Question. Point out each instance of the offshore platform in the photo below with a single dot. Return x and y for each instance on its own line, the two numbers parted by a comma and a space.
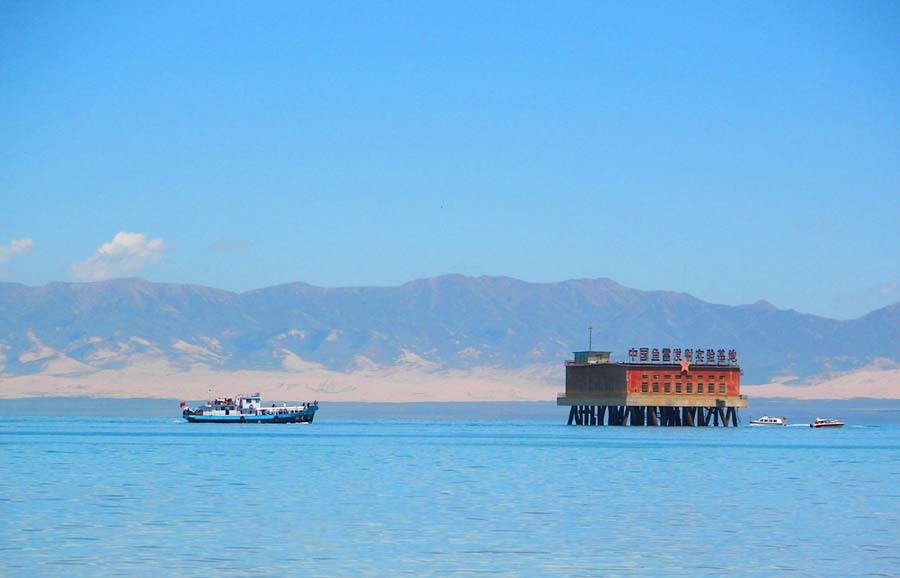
657, 387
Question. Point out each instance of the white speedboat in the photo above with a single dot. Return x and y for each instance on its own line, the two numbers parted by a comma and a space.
826, 423
769, 420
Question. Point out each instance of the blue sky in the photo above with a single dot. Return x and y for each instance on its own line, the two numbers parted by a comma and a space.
735, 151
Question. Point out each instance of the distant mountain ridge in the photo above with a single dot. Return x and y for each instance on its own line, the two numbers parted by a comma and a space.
446, 322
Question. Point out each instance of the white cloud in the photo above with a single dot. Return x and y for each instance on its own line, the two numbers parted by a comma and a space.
15, 247
124, 255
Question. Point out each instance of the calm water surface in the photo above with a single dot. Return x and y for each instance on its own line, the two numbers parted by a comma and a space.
152, 497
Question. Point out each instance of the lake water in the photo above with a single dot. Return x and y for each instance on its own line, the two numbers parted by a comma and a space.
160, 497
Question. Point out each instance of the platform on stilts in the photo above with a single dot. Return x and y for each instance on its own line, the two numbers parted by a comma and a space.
666, 390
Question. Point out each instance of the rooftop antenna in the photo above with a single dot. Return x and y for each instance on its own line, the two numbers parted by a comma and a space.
590, 337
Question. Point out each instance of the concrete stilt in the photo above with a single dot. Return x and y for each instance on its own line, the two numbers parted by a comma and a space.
660, 416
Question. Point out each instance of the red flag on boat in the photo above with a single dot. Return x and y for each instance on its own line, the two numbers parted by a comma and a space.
182, 404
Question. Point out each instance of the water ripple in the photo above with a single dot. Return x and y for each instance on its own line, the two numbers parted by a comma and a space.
151, 497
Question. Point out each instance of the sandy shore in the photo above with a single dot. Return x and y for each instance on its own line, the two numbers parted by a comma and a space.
401, 383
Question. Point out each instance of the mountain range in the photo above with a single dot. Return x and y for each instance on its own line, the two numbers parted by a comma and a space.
447, 323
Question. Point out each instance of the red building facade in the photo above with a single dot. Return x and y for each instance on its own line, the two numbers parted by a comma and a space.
709, 380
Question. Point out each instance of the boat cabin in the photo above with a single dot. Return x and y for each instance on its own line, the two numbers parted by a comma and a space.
243, 404
249, 403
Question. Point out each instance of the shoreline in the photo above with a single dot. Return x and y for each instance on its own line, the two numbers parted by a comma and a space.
857, 411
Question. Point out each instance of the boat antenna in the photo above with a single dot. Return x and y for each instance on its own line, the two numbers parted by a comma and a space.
590, 337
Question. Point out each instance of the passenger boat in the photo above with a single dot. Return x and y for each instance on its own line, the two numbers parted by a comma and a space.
826, 423
248, 409
769, 420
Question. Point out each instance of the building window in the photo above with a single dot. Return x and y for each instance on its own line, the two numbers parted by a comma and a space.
721, 378
722, 388
667, 388
644, 387
677, 387
668, 377
710, 388
699, 387
644, 376
655, 387
690, 388
655, 377
712, 377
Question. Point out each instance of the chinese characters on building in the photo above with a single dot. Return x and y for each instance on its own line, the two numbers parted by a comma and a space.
696, 356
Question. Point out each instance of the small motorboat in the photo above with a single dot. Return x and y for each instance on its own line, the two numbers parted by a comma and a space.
769, 420
826, 423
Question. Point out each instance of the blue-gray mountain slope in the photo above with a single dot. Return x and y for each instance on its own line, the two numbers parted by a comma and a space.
451, 321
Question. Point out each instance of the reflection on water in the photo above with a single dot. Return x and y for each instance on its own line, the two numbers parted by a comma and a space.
151, 497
